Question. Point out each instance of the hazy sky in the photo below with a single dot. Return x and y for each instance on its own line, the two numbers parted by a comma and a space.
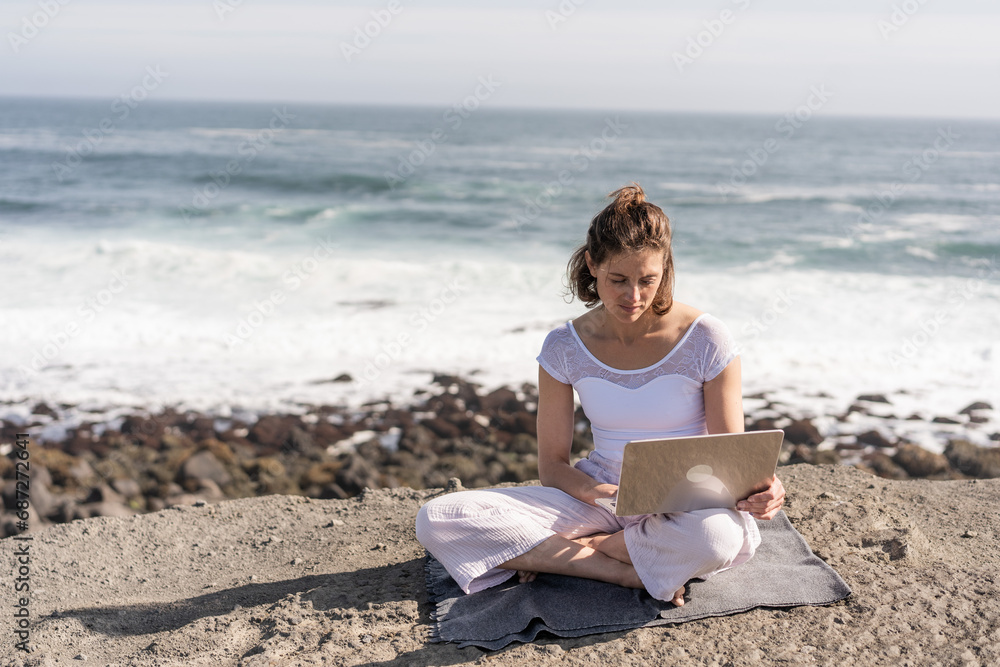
874, 57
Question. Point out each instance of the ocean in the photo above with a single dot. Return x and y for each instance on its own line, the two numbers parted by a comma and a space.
239, 257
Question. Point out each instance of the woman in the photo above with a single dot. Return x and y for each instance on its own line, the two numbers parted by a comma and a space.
644, 366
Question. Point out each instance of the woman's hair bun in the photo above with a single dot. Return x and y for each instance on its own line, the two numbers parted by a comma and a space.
628, 197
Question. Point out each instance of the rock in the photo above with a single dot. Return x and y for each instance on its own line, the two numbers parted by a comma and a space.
102, 493
325, 434
975, 461
523, 443
105, 508
442, 428
356, 474
343, 377
855, 407
523, 422
945, 420
802, 432
204, 465
44, 409
582, 442
268, 475
762, 424
321, 474
468, 470
129, 488
883, 466
300, 440
500, 399
874, 438
273, 431
873, 398
147, 431
918, 462
978, 405
804, 454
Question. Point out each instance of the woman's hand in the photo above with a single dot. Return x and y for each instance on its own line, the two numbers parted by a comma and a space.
603, 491
765, 505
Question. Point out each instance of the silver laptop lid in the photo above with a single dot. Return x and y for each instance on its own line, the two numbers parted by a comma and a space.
697, 472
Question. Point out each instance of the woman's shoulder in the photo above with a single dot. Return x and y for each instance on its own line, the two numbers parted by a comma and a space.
707, 327
686, 314
558, 336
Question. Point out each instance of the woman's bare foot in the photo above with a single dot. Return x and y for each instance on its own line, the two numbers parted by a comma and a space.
524, 576
678, 598
559, 555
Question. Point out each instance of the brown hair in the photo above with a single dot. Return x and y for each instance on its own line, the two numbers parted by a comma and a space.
627, 224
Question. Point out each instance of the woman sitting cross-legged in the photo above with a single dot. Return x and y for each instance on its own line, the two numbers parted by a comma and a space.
644, 366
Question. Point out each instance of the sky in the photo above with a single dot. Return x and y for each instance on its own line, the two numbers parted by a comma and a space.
873, 57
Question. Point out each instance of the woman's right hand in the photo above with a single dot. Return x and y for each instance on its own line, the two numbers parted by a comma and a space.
603, 491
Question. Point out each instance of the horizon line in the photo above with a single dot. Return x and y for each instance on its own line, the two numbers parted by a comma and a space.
496, 107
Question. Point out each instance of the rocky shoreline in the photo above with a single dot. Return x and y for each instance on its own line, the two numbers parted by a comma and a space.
452, 430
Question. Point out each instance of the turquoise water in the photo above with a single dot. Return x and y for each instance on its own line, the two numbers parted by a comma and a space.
265, 248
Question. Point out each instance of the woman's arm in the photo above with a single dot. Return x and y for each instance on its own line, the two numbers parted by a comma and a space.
724, 414
555, 443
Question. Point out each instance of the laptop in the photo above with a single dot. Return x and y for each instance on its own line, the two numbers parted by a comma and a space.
695, 472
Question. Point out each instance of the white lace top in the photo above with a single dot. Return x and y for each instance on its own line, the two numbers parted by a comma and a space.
659, 401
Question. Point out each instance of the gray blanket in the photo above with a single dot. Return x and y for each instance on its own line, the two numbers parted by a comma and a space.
783, 573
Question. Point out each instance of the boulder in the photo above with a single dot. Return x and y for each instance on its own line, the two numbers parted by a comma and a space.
882, 465
918, 462
875, 439
802, 432
273, 431
442, 428
502, 399
129, 488
204, 465
873, 398
356, 474
975, 461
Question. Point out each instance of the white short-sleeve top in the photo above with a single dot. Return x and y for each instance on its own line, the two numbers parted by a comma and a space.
659, 401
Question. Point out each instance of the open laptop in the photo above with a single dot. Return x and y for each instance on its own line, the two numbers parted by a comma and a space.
696, 472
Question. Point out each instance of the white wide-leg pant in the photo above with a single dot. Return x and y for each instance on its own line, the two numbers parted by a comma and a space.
472, 532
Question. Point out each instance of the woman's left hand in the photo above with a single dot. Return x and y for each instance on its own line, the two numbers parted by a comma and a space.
765, 505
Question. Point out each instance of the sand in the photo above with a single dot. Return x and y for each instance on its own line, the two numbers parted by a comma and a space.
288, 580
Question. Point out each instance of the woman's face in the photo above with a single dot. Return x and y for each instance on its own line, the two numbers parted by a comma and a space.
627, 282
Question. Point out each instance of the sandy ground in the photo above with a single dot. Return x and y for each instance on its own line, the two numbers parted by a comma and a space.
283, 580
